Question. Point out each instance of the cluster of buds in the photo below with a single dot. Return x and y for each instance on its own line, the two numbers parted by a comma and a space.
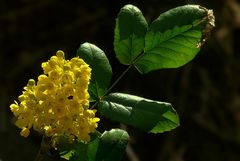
58, 103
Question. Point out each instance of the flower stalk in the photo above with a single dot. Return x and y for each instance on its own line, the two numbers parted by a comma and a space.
45, 146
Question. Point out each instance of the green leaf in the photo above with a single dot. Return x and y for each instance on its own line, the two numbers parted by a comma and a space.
79, 151
130, 31
175, 37
112, 145
109, 146
149, 115
101, 69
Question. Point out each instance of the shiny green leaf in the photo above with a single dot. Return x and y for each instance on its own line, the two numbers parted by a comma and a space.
148, 115
101, 69
112, 145
130, 30
175, 38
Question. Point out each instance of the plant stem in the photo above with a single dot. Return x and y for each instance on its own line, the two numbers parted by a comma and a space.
45, 146
110, 88
128, 68
119, 78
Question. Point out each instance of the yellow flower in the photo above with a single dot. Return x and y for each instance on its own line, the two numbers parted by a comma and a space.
25, 132
57, 104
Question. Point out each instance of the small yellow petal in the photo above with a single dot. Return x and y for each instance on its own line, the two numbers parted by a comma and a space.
15, 109
21, 98
25, 132
60, 54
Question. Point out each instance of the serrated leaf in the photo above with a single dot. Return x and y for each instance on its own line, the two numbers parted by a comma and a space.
101, 69
130, 30
112, 145
148, 115
175, 37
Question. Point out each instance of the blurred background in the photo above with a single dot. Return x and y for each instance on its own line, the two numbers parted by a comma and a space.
205, 92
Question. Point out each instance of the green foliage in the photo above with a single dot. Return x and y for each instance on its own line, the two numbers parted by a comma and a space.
112, 145
103, 147
79, 151
172, 40
101, 69
151, 116
130, 31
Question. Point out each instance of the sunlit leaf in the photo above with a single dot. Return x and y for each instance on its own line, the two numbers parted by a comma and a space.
175, 37
130, 30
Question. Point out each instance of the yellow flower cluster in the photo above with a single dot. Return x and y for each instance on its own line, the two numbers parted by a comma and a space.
58, 103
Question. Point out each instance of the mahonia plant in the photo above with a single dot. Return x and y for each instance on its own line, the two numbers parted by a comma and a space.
57, 105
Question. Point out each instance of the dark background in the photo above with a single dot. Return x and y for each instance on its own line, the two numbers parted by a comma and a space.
205, 92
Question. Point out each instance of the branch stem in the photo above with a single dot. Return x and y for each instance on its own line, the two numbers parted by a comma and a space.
119, 78
45, 146
123, 74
